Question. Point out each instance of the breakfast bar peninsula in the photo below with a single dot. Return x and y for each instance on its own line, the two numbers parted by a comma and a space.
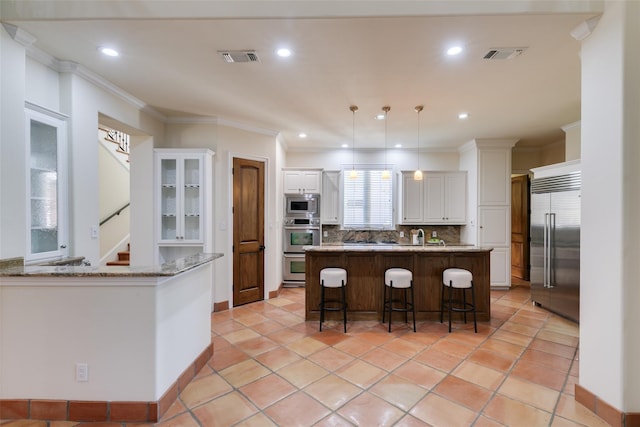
367, 263
85, 343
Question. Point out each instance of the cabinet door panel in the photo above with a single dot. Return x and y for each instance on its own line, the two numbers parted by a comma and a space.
331, 200
455, 208
412, 200
435, 195
495, 225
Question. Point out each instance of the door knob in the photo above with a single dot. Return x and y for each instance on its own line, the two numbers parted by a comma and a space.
261, 247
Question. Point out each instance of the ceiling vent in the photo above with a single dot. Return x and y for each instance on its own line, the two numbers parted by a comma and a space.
239, 55
504, 53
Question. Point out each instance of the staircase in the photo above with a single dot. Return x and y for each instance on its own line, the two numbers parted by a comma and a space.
123, 257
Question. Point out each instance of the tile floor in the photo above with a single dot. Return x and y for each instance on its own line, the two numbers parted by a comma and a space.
271, 368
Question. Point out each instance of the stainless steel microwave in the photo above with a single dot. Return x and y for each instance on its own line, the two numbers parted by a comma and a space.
302, 205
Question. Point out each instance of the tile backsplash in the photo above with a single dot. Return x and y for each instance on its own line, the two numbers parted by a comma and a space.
448, 233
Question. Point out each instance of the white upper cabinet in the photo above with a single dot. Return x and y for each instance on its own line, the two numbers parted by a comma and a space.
330, 201
183, 184
412, 204
494, 166
302, 181
47, 185
440, 198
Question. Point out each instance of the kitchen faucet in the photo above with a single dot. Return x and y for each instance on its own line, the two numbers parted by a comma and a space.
421, 235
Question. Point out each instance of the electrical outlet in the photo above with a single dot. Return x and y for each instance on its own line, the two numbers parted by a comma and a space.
325, 234
82, 372
402, 234
94, 231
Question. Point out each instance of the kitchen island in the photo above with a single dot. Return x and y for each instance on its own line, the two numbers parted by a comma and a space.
366, 264
87, 343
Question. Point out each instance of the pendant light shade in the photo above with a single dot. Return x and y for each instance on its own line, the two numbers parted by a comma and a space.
385, 173
418, 173
353, 174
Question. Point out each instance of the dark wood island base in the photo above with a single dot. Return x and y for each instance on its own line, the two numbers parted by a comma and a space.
366, 264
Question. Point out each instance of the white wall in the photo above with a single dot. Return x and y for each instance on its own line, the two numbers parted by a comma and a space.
228, 142
610, 272
398, 158
573, 135
13, 151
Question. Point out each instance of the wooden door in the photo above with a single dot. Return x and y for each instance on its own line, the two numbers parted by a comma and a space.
248, 231
520, 227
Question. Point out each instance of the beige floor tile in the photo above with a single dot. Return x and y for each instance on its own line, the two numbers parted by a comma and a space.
286, 336
306, 346
548, 334
571, 410
438, 411
519, 328
244, 373
439, 360
467, 394
479, 375
361, 373
250, 319
182, 420
332, 391
515, 413
297, 410
203, 390
398, 391
225, 411
267, 327
411, 421
422, 375
503, 347
403, 347
240, 335
331, 359
277, 358
530, 393
256, 346
453, 347
483, 421
369, 410
258, 420
302, 373
513, 338
333, 420
268, 390
354, 346
493, 360
384, 359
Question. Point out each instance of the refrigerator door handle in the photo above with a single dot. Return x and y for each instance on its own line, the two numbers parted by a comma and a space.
545, 245
550, 263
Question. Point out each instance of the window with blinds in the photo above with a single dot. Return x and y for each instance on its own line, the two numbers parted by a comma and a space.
367, 200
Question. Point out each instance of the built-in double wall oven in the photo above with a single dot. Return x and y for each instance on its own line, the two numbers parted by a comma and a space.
301, 228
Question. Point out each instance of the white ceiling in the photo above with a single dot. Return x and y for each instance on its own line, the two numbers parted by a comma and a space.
368, 53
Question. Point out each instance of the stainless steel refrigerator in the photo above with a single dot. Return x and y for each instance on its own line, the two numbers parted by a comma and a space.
555, 244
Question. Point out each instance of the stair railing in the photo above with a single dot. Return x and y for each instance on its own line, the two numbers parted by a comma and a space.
116, 213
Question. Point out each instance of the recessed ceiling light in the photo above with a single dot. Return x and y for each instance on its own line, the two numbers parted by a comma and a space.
345, 145
454, 50
379, 117
302, 135
398, 145
109, 51
284, 52
463, 116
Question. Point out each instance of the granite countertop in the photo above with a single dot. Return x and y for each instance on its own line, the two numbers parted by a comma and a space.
381, 247
169, 269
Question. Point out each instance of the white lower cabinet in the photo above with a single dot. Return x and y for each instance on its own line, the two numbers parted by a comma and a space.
495, 231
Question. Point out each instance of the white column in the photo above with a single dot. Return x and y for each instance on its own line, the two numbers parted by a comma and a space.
610, 271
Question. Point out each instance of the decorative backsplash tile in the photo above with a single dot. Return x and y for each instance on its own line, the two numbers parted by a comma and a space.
448, 233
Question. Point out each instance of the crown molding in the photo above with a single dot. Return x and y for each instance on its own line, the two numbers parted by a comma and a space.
19, 35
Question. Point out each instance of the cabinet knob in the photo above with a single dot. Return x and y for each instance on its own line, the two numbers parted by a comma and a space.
63, 246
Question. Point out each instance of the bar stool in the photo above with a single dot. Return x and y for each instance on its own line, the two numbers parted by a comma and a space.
398, 278
458, 278
333, 278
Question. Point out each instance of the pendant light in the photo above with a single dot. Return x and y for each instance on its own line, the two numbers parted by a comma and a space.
385, 173
417, 176
353, 174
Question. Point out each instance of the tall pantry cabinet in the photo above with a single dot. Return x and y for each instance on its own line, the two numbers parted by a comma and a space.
490, 203
184, 202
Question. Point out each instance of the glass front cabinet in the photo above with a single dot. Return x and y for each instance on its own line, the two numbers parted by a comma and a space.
184, 201
46, 135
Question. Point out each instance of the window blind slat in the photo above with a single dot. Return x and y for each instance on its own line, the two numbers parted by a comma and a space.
368, 200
